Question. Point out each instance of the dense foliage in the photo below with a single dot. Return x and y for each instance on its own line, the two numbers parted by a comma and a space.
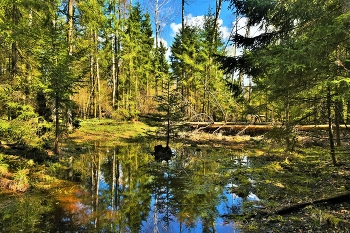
299, 61
61, 60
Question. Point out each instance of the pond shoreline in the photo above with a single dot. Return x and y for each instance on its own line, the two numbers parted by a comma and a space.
287, 178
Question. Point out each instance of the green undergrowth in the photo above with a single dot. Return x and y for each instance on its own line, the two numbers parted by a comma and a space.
109, 131
19, 175
290, 178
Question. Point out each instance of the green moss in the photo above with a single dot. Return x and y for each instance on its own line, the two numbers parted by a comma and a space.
110, 131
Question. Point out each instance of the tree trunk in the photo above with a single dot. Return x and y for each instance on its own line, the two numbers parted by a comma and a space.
113, 180
57, 125
14, 60
241, 74
14, 47
113, 71
90, 106
156, 14
338, 120
98, 90
70, 26
182, 15
168, 116
70, 14
289, 134
330, 128
217, 16
95, 40
347, 112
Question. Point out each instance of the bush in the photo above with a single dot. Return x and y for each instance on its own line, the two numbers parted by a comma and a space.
124, 115
283, 135
3, 166
27, 132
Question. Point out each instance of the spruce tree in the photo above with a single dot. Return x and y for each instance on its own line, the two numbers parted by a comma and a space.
297, 56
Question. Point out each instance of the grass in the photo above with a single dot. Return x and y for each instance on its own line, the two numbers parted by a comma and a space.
109, 131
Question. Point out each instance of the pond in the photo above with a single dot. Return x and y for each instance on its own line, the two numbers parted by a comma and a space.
122, 189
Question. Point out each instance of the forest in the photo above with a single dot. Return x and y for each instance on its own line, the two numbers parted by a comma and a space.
66, 62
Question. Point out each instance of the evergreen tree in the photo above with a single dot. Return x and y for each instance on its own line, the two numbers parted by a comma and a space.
21, 25
170, 101
294, 59
199, 79
137, 58
56, 64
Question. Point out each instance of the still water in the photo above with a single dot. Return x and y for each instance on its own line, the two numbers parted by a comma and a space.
122, 189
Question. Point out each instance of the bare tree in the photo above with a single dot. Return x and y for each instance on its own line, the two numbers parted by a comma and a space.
162, 11
217, 16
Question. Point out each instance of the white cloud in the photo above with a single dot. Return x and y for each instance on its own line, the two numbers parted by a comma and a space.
190, 20
175, 28
225, 31
242, 28
165, 44
198, 21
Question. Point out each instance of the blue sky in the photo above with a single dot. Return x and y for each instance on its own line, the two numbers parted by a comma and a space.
195, 10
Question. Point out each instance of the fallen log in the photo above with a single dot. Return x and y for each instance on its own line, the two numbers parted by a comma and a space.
230, 126
344, 197
333, 200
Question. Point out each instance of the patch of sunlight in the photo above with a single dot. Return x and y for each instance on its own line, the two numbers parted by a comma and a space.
280, 185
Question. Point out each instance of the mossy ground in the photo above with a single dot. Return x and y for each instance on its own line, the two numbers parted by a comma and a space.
109, 131
289, 178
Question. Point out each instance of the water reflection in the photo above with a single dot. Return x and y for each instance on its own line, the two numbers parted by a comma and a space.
122, 189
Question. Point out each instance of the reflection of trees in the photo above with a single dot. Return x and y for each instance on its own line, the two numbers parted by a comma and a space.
120, 197
202, 192
95, 184
134, 194
26, 214
119, 185
187, 191
162, 212
184, 191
